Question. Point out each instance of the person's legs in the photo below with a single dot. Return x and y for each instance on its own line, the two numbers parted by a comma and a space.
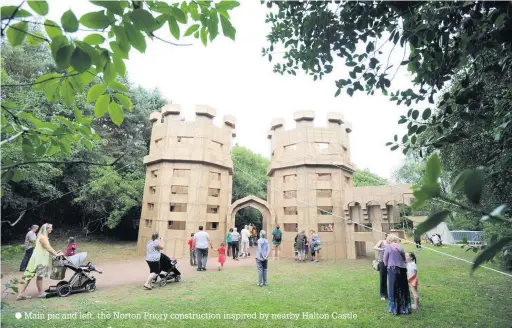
192, 258
416, 297
205, 258
264, 266
26, 258
235, 250
383, 281
199, 259
39, 285
229, 249
259, 265
21, 292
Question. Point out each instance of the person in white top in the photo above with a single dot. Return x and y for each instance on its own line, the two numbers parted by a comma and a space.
412, 277
245, 242
436, 240
200, 244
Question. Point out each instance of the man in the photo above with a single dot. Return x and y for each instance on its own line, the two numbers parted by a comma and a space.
30, 243
245, 241
235, 240
277, 236
200, 244
417, 238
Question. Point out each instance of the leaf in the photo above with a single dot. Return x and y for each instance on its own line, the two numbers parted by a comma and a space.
460, 180
95, 92
95, 20
116, 113
16, 33
191, 29
433, 170
227, 5
125, 101
498, 210
192, 9
213, 25
173, 26
117, 86
39, 6
204, 35
92, 52
500, 20
80, 60
178, 14
143, 20
137, 40
389, 143
94, 39
64, 145
395, 147
402, 120
473, 186
120, 65
432, 221
8, 11
63, 56
426, 114
35, 39
227, 29
109, 72
16, 177
101, 106
52, 29
337, 92
113, 6
52, 92
69, 21
67, 93
490, 251
415, 114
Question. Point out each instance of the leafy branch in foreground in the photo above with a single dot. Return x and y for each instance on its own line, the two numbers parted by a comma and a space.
94, 64
471, 183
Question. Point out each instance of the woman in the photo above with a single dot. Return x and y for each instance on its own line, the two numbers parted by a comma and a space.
153, 253
300, 242
380, 247
316, 245
30, 243
229, 241
39, 263
398, 286
262, 258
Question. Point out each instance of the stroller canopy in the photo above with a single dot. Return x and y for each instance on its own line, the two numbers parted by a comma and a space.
77, 259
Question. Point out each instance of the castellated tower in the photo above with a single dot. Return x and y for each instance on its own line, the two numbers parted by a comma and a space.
309, 174
189, 176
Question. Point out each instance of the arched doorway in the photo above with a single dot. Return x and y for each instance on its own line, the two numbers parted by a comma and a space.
269, 217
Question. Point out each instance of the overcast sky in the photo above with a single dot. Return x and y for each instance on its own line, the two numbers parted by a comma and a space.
234, 78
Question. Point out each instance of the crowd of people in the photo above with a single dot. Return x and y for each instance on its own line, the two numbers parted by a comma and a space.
397, 271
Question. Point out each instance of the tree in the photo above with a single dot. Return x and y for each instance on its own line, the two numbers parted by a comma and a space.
92, 63
88, 192
250, 172
365, 177
443, 43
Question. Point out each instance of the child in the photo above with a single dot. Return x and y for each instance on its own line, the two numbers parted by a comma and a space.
412, 276
192, 250
71, 247
222, 256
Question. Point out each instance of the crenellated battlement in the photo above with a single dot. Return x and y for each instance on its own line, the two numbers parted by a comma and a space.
307, 144
200, 140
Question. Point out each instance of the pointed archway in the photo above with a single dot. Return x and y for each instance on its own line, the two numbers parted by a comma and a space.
269, 217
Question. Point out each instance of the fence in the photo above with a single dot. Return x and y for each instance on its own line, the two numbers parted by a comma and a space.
473, 237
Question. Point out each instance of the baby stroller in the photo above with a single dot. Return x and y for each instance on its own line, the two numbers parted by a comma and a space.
169, 270
82, 279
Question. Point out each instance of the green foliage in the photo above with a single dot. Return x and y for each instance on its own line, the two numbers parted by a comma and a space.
365, 177
250, 172
88, 62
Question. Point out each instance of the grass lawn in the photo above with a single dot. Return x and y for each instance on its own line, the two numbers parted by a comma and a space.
103, 252
448, 295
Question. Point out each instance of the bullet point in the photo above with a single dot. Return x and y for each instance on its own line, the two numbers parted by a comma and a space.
18, 315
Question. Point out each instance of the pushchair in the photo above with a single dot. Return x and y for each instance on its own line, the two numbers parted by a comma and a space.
82, 279
168, 270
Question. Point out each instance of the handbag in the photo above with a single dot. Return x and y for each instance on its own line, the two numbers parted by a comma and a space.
375, 265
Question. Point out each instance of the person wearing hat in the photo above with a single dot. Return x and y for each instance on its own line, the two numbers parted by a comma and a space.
30, 242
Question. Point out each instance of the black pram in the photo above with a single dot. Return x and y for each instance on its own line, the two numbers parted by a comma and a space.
168, 270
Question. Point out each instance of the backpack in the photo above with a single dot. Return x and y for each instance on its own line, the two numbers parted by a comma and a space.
277, 235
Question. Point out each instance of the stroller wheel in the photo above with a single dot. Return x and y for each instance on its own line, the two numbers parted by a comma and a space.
177, 278
163, 282
64, 290
90, 287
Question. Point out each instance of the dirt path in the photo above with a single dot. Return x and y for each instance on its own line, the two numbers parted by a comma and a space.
134, 272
